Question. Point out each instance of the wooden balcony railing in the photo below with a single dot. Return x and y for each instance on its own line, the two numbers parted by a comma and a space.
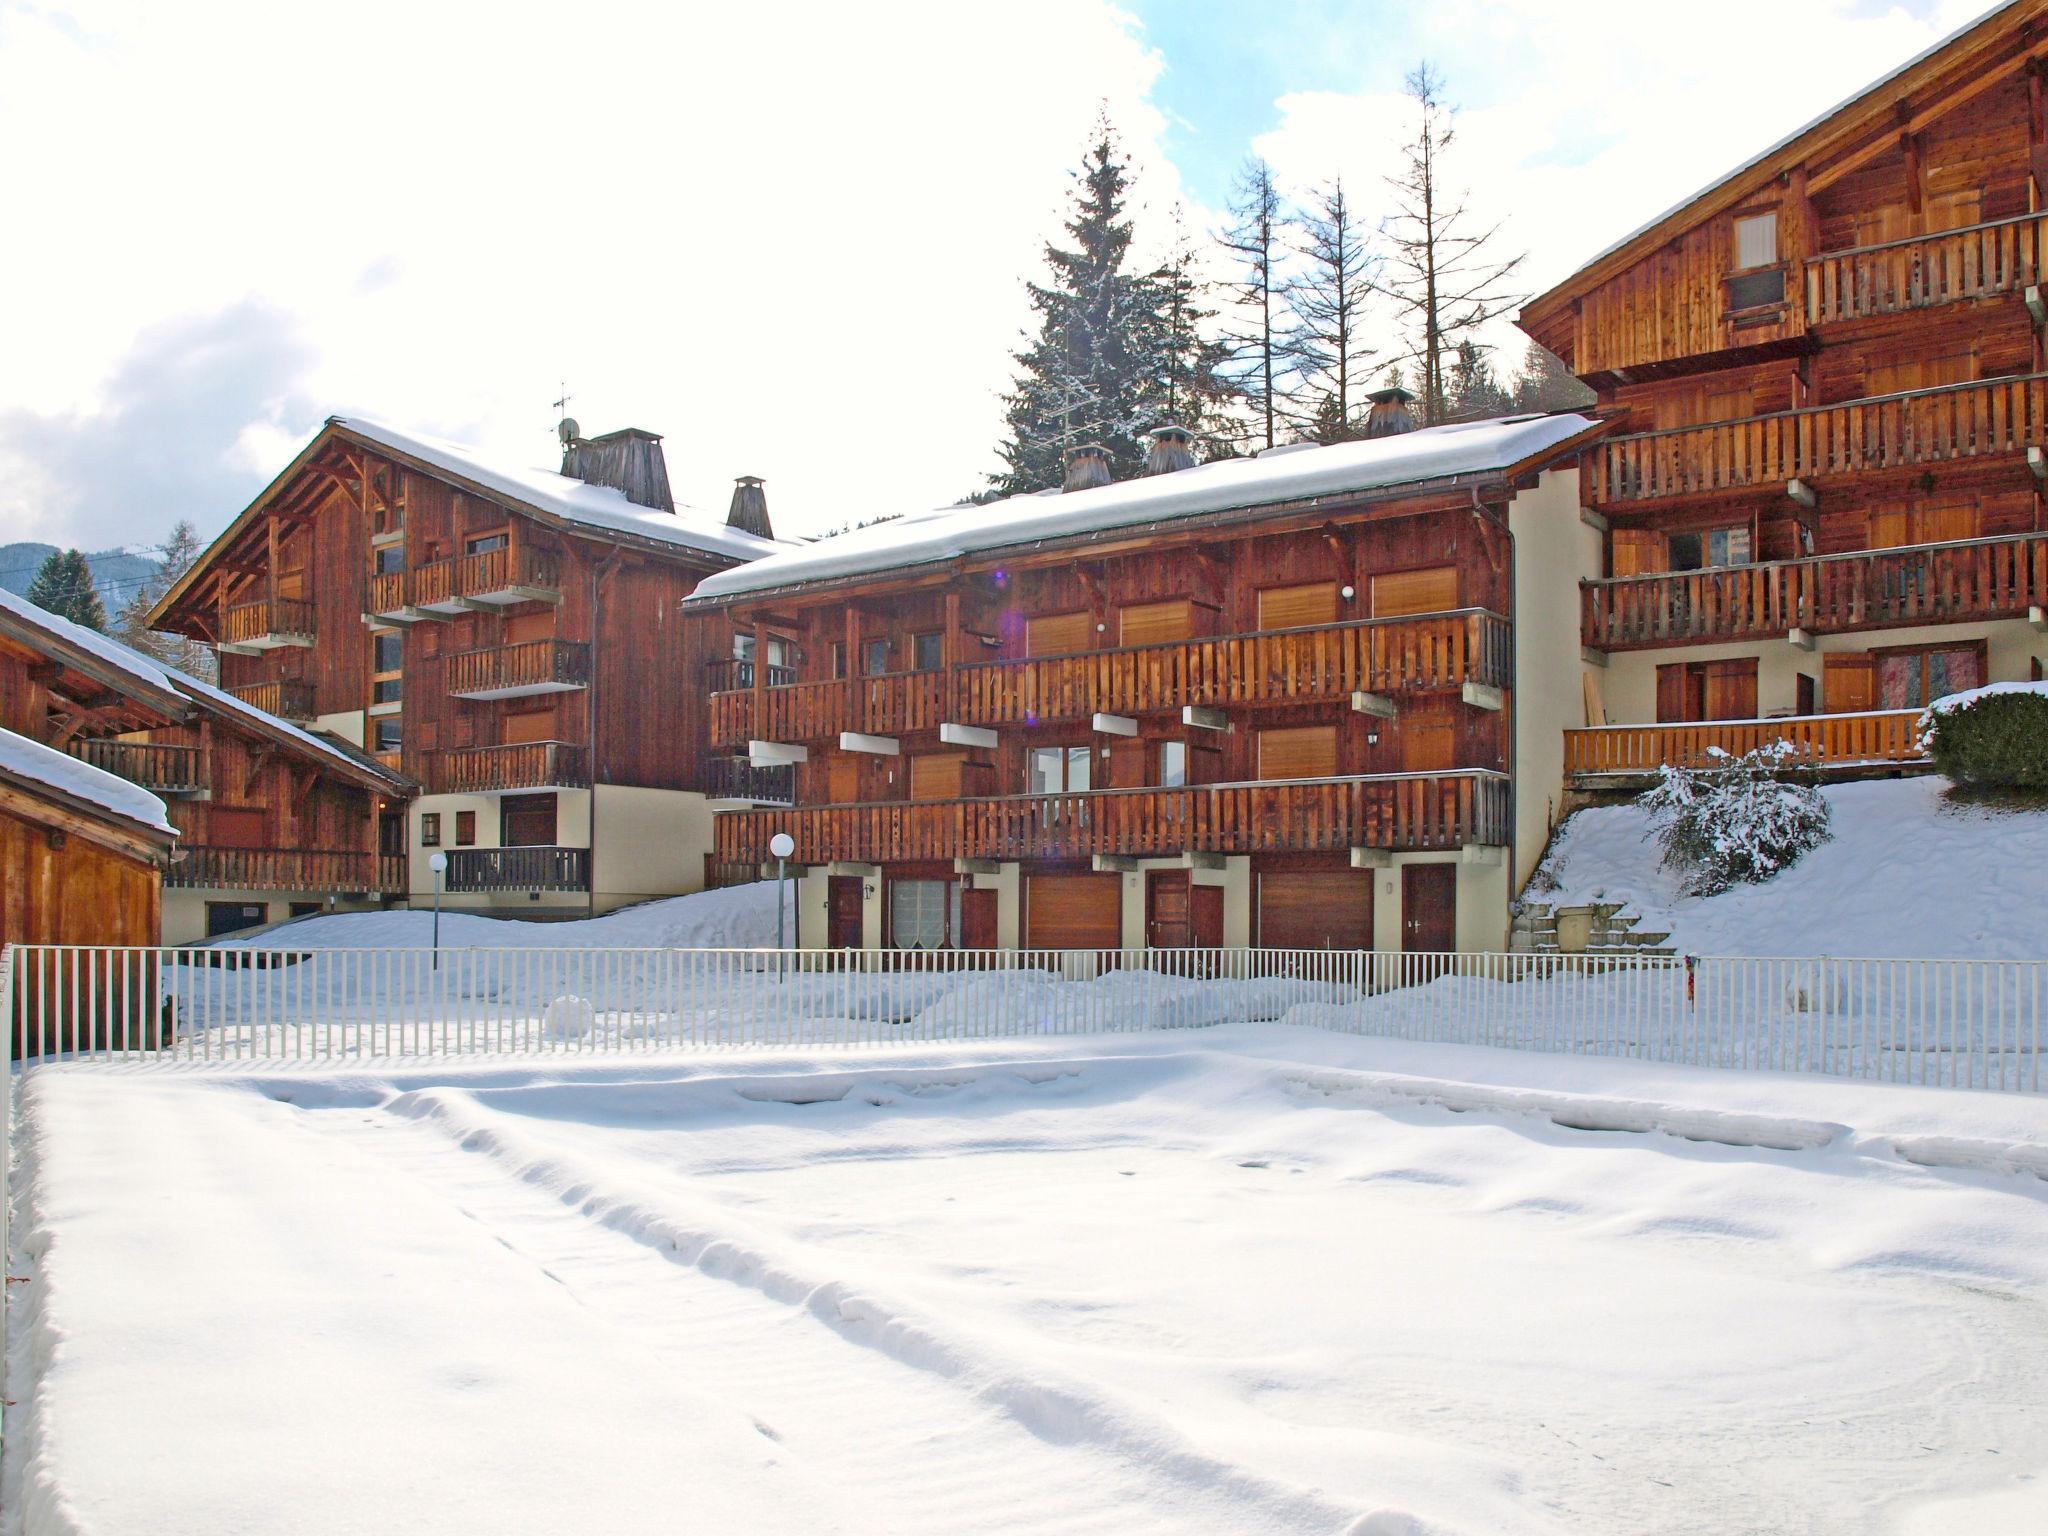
519, 765
273, 620
286, 698
507, 575
518, 869
1283, 666
729, 673
1921, 426
387, 592
1820, 742
1981, 261
165, 769
313, 870
1969, 580
511, 671
735, 778
1402, 811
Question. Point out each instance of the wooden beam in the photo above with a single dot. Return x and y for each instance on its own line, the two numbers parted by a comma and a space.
259, 759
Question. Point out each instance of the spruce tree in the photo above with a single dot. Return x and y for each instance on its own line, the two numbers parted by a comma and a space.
1546, 384
1259, 353
63, 585
1471, 392
131, 626
1197, 396
1444, 276
1328, 300
1093, 372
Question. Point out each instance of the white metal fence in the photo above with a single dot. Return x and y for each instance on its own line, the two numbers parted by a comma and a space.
1956, 1023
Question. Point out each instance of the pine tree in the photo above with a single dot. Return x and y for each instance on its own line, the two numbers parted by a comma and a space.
1260, 354
1471, 391
1445, 281
1328, 301
131, 623
63, 585
1093, 372
1546, 384
1197, 394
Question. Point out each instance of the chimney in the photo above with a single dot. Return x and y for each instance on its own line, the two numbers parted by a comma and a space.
1172, 448
1087, 467
749, 511
628, 460
1389, 415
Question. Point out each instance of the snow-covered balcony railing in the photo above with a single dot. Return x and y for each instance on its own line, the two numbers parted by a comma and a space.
345, 871
1970, 579
269, 624
1395, 811
518, 869
519, 670
1415, 653
1984, 419
1612, 753
287, 698
2002, 256
513, 766
1954, 1023
163, 768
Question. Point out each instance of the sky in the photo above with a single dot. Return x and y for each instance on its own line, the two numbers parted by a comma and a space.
792, 238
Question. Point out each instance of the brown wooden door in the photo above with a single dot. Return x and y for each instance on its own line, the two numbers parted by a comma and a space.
1169, 914
977, 919
1205, 915
1730, 689
1429, 908
1073, 912
1316, 909
1848, 682
843, 917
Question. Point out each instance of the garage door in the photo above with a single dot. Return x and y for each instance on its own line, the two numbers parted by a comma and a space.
1320, 910
1073, 912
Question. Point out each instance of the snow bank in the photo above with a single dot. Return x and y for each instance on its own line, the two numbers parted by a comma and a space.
1907, 873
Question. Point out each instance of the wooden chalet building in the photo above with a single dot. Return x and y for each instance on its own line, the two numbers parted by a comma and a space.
1822, 501
1269, 701
508, 644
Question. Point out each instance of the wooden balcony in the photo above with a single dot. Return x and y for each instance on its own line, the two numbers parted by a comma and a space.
344, 872
285, 698
268, 625
1967, 581
518, 869
163, 769
517, 671
520, 765
1980, 262
387, 599
1611, 755
736, 778
1396, 811
1987, 419
497, 578
1286, 666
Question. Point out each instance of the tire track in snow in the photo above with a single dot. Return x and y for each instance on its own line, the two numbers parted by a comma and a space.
906, 1414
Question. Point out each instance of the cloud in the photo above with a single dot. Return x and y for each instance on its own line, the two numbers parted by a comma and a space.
165, 439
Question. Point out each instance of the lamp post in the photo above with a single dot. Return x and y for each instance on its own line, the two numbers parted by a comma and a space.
782, 845
438, 863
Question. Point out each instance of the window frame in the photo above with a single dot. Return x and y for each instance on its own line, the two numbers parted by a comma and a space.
465, 829
430, 829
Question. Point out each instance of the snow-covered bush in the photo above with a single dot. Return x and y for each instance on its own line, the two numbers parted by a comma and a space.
1738, 822
1995, 737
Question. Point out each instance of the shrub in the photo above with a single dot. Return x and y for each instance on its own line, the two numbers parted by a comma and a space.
1992, 738
1738, 822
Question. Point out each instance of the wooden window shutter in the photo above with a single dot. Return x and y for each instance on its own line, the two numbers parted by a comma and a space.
1155, 623
1054, 634
1671, 701
1943, 522
936, 775
1429, 743
1848, 682
1889, 527
1433, 590
1731, 689
1298, 752
1637, 552
534, 725
1298, 607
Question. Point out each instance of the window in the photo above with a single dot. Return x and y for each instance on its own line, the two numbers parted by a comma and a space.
388, 559
1173, 765
874, 658
928, 651
233, 916
780, 656
385, 690
1913, 679
839, 658
485, 543
387, 651
1708, 546
1758, 281
430, 829
388, 737
1057, 770
465, 829
526, 821
924, 914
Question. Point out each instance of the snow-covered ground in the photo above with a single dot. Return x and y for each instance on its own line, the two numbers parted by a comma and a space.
1251, 1279
1908, 872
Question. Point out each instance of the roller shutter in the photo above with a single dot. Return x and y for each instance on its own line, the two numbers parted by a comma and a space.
1298, 752
1073, 912
1298, 607
1325, 909
1054, 634
1155, 623
1434, 590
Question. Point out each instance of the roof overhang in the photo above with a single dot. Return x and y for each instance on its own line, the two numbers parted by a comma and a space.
32, 798
76, 658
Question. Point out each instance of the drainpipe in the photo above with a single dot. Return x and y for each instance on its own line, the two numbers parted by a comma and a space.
1514, 694
598, 573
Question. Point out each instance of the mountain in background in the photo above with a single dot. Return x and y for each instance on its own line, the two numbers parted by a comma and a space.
117, 574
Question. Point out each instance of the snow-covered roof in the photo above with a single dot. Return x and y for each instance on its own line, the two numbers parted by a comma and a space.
594, 506
1296, 474
21, 758
145, 672
328, 749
